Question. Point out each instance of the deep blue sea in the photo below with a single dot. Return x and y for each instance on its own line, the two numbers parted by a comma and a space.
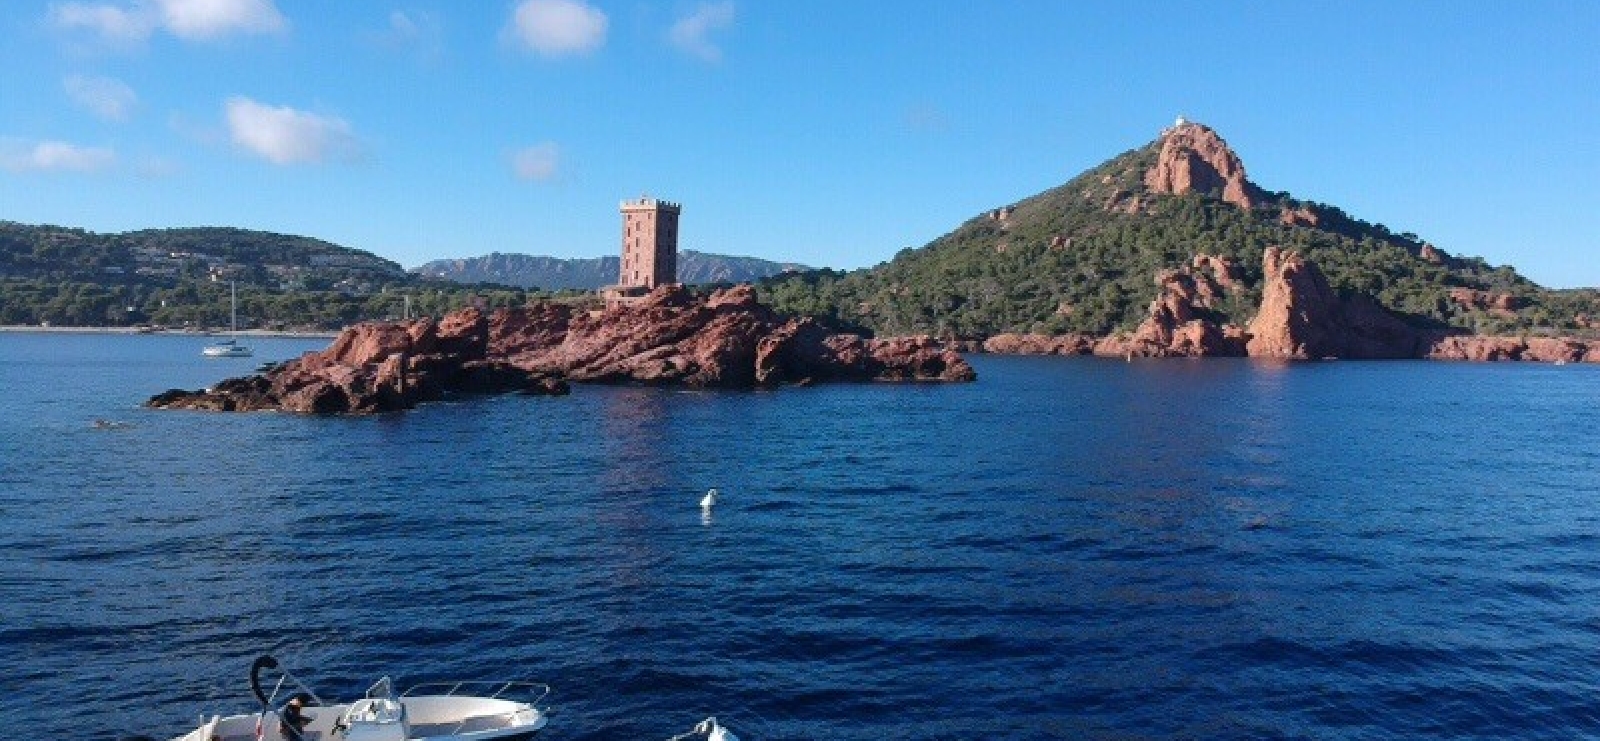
1066, 549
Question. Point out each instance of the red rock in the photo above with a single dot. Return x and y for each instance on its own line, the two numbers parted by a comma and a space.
1490, 348
670, 336
1500, 304
1468, 347
1179, 322
1555, 350
1302, 318
1303, 216
1221, 269
1194, 158
1039, 344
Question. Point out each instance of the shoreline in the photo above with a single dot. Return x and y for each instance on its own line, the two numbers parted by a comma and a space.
36, 329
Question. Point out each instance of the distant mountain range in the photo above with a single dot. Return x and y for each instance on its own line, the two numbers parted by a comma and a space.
554, 273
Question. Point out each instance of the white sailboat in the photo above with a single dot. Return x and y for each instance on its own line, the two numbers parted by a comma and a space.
229, 348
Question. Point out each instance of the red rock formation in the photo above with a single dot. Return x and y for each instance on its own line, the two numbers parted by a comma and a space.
1430, 253
1179, 322
669, 337
1301, 317
1194, 158
1221, 269
1537, 349
1499, 304
1303, 216
1039, 344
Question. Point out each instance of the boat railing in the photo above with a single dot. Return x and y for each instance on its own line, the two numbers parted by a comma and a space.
517, 691
526, 695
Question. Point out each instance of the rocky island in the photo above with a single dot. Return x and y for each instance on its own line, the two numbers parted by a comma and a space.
726, 339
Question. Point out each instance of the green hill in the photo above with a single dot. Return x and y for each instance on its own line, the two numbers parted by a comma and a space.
1083, 257
180, 277
554, 273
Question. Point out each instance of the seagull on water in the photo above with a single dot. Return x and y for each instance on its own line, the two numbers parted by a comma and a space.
709, 499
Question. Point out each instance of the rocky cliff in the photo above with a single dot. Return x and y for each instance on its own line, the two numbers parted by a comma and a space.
1194, 158
726, 339
1299, 318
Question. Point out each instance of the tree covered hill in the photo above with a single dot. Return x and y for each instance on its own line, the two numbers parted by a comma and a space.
1083, 257
180, 277
554, 273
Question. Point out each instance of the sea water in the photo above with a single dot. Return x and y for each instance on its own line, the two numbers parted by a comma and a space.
1067, 548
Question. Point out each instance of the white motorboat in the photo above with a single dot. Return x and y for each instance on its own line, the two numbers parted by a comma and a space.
229, 348
438, 711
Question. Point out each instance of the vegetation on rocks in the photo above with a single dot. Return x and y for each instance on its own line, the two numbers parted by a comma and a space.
1083, 258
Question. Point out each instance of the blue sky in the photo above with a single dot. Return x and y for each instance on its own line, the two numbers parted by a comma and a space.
828, 133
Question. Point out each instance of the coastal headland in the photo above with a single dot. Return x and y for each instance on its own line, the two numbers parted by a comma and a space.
726, 339
1300, 317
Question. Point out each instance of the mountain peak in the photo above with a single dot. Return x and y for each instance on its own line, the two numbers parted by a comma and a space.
1194, 158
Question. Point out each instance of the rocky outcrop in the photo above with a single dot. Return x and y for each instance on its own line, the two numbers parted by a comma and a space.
1194, 158
1499, 304
1302, 216
1181, 321
1301, 317
728, 340
725, 340
1535, 349
376, 367
1039, 344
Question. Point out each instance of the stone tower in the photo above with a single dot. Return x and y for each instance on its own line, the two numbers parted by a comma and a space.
649, 243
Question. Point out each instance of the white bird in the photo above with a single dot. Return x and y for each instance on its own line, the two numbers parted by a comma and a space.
709, 499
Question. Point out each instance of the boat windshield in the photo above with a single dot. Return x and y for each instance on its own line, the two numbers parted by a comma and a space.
382, 688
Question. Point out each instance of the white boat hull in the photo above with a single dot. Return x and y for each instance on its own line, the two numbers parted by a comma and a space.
226, 351
425, 718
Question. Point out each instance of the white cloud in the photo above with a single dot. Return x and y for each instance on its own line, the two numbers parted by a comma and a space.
692, 33
17, 156
113, 23
539, 163
126, 23
558, 28
211, 19
284, 136
106, 97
